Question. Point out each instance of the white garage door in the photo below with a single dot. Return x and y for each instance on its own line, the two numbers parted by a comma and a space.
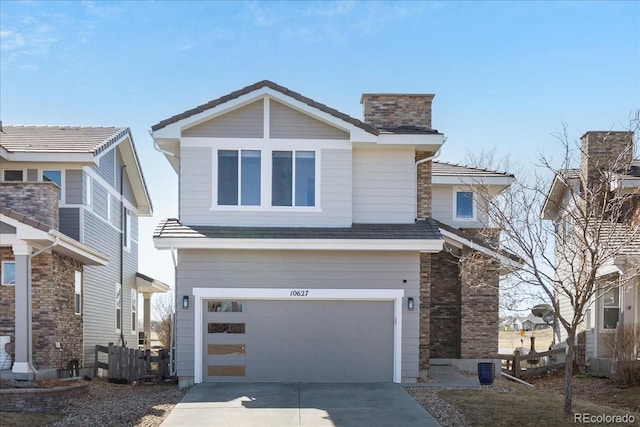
276, 340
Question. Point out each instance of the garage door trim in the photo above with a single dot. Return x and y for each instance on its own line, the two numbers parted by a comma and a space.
299, 294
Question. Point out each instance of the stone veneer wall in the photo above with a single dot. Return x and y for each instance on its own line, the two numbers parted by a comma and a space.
41, 399
38, 200
54, 320
445, 306
425, 310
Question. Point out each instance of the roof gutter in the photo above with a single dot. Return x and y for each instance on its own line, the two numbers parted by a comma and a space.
435, 155
157, 147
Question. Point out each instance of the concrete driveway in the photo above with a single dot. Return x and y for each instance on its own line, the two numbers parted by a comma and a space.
298, 404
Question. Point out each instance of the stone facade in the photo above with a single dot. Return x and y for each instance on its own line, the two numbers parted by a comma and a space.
37, 200
390, 110
41, 399
424, 188
445, 306
53, 317
425, 312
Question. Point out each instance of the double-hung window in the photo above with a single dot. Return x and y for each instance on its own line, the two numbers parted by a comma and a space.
77, 300
293, 179
611, 308
118, 301
134, 310
239, 177
126, 230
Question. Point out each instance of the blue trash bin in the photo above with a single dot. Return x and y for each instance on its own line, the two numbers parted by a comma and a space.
486, 372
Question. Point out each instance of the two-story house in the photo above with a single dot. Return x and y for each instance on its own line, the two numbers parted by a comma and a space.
607, 170
81, 187
310, 243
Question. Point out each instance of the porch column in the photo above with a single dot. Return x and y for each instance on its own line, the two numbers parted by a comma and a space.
22, 363
147, 320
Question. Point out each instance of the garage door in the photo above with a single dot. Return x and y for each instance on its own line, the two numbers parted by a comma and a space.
274, 340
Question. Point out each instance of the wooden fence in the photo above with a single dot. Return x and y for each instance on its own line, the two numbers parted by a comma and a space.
532, 366
131, 364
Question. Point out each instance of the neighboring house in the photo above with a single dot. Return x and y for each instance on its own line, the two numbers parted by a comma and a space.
603, 151
533, 323
307, 250
71, 198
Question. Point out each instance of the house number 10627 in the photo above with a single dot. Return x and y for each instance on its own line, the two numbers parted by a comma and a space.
299, 293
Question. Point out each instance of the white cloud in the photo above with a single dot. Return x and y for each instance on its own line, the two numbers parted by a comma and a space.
11, 40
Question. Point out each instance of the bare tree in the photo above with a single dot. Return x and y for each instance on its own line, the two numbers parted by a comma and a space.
164, 309
561, 259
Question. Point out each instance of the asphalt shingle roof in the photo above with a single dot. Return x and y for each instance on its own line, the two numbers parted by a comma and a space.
59, 139
419, 230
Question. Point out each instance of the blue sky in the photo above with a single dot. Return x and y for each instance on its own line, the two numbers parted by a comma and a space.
505, 74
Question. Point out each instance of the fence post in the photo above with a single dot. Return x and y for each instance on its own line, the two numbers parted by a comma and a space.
95, 363
516, 363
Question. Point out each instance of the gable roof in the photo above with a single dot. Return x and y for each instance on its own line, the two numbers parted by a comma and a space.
42, 235
83, 144
274, 86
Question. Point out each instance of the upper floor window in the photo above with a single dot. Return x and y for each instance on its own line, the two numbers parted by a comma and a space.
611, 308
54, 176
293, 178
126, 231
8, 273
13, 175
88, 190
464, 206
265, 178
239, 177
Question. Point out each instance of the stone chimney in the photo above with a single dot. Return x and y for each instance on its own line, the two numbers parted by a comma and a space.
404, 113
387, 111
37, 200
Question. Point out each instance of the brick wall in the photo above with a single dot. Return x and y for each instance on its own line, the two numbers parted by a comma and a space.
54, 320
424, 188
41, 399
445, 306
425, 310
479, 277
38, 200
391, 110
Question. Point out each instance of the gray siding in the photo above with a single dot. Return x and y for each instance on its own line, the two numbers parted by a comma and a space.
285, 122
32, 175
128, 192
245, 122
7, 229
384, 185
106, 168
196, 186
298, 269
99, 199
99, 285
442, 206
70, 222
73, 186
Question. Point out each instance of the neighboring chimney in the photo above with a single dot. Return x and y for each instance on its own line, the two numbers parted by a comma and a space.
390, 111
603, 151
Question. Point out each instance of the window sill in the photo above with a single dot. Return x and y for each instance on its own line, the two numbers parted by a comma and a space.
266, 208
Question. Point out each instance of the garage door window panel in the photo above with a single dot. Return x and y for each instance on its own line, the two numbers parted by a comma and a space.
226, 349
226, 328
225, 306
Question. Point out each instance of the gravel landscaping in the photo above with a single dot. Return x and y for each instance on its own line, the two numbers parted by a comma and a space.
108, 404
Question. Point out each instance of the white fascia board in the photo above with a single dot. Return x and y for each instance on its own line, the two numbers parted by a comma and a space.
432, 246
476, 247
143, 201
426, 142
24, 231
503, 181
47, 157
628, 185
150, 287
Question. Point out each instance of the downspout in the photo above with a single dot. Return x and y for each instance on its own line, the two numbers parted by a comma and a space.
173, 315
29, 303
122, 242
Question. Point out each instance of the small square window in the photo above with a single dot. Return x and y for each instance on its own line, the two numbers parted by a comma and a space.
13, 175
464, 205
8, 273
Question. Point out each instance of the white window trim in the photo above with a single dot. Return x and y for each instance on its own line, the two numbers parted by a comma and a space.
395, 295
63, 194
3, 270
77, 285
134, 311
118, 301
108, 206
126, 229
474, 205
24, 174
602, 307
88, 190
265, 180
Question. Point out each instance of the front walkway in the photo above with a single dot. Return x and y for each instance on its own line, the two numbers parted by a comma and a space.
299, 404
